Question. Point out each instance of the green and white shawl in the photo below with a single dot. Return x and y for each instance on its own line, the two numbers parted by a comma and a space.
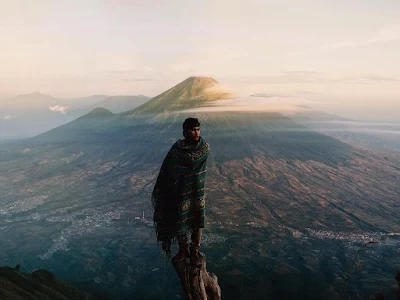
178, 196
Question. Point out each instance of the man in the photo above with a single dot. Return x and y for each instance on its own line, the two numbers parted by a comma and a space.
178, 196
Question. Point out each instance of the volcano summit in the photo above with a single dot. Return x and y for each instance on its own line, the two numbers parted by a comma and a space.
191, 93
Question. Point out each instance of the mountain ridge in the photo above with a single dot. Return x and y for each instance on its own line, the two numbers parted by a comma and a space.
35, 94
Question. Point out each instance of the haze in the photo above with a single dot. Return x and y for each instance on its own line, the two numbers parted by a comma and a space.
338, 56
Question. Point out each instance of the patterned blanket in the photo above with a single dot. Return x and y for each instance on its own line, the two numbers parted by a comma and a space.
178, 196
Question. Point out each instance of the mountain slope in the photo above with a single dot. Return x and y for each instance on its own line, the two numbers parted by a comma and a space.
190, 93
87, 127
41, 284
281, 201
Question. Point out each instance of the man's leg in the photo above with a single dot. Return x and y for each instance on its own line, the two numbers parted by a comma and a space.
195, 245
183, 247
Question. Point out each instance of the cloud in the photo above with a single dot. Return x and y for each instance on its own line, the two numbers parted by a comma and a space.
221, 89
265, 95
273, 104
7, 117
307, 77
59, 108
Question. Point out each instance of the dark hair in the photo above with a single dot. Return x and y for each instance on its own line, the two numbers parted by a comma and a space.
190, 123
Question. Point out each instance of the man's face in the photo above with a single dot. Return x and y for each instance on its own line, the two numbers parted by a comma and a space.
193, 134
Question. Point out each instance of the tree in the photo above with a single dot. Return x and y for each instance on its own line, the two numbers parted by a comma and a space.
197, 283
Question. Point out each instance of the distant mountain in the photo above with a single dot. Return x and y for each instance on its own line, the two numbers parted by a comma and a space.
39, 103
98, 113
31, 114
33, 102
190, 93
35, 96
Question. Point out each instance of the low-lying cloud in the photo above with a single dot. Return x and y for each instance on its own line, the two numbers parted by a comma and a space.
311, 77
273, 104
59, 108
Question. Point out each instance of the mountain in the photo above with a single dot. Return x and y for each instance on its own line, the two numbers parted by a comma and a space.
32, 114
286, 206
33, 102
97, 122
34, 96
28, 115
40, 284
40, 103
190, 93
98, 113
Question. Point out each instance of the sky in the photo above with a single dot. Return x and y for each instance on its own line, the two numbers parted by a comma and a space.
340, 56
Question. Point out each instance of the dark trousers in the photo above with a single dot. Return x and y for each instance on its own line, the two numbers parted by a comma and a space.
195, 239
